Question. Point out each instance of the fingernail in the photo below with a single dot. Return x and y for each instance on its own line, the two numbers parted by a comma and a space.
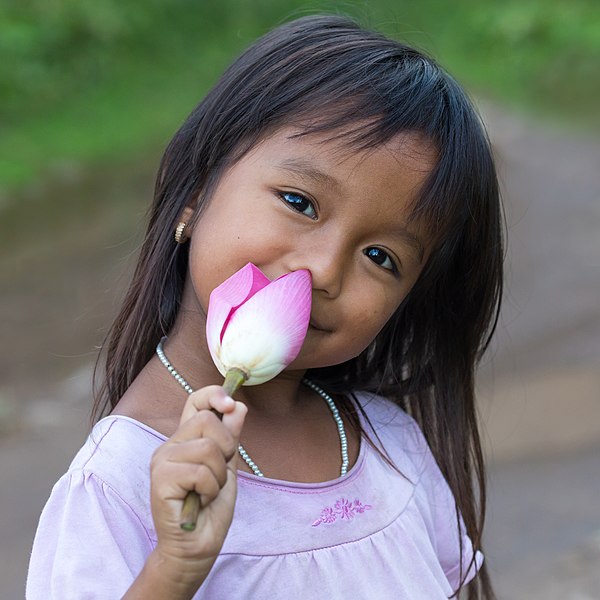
229, 400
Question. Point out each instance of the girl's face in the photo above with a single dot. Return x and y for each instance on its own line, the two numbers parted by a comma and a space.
309, 203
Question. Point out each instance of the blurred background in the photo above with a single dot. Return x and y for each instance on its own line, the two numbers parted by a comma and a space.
90, 93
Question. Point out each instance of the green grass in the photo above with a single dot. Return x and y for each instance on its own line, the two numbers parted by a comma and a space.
100, 81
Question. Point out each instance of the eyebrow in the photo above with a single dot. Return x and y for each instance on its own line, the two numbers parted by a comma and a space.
412, 240
307, 170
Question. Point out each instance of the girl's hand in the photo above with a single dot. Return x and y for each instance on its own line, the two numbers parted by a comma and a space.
201, 456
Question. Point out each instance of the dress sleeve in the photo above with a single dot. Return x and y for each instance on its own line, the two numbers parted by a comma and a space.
89, 543
446, 533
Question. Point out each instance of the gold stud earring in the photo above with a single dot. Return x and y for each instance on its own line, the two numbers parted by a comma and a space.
179, 237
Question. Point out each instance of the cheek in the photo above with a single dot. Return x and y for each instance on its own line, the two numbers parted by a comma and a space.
375, 305
201, 277
211, 260
222, 246
372, 317
372, 321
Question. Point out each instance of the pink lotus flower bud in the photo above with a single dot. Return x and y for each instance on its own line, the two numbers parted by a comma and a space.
256, 325
254, 328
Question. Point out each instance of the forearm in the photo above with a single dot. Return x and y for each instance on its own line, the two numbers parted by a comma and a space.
161, 579
202, 456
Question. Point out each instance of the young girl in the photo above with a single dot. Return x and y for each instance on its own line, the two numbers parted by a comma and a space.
333, 149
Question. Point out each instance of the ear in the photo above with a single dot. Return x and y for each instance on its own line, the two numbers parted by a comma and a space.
183, 229
186, 216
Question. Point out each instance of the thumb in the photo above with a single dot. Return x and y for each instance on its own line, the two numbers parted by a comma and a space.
234, 419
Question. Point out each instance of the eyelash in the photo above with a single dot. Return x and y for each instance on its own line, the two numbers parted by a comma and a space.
367, 252
393, 269
293, 206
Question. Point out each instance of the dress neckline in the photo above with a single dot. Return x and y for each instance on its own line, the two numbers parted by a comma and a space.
250, 478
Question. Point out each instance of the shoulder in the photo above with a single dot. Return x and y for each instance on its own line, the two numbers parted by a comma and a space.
401, 438
103, 503
394, 429
117, 441
117, 455
383, 412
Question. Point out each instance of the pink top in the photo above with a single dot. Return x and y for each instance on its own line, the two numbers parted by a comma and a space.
372, 534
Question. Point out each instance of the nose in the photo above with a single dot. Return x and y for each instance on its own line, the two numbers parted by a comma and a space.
326, 263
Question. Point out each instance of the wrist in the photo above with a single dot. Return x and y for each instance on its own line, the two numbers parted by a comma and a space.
167, 577
183, 572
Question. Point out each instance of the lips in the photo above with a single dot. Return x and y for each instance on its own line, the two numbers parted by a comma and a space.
318, 326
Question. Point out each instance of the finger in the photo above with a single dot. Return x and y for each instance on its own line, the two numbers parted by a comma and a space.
206, 398
234, 420
173, 481
198, 451
205, 424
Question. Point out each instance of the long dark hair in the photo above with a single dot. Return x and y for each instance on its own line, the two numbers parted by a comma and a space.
327, 74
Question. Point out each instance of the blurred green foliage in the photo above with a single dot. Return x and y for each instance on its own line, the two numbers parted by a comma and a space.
83, 81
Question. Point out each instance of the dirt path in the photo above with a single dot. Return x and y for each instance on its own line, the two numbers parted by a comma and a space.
540, 396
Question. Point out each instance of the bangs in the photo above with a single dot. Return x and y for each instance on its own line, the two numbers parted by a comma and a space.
327, 75
363, 89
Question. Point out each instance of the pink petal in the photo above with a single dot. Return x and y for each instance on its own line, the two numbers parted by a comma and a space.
284, 307
225, 298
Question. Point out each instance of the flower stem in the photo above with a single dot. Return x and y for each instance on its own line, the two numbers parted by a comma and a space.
234, 378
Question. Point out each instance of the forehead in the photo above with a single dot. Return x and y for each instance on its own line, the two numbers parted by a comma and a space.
402, 163
404, 152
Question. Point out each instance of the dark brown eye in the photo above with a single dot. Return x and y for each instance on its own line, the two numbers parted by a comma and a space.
299, 203
381, 258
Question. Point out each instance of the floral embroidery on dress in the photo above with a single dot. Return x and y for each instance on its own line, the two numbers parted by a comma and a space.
342, 509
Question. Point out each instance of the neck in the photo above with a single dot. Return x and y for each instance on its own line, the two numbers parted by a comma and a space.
278, 397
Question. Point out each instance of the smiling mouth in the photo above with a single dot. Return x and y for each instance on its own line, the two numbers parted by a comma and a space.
317, 327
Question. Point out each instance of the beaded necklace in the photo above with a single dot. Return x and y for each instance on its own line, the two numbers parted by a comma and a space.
313, 386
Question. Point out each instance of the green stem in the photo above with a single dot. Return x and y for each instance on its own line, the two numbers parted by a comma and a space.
191, 504
233, 380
